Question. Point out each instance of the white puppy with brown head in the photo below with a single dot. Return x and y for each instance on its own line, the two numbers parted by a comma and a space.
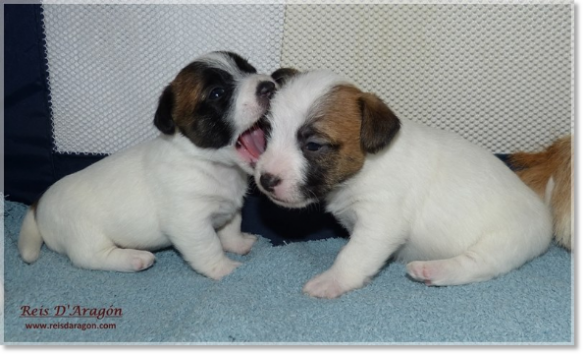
184, 188
451, 210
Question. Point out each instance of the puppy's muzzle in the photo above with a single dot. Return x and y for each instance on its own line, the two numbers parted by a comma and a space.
269, 182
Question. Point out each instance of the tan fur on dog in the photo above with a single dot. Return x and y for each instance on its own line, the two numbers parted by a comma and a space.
341, 123
188, 94
549, 173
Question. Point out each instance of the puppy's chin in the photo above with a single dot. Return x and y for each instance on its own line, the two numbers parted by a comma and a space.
292, 204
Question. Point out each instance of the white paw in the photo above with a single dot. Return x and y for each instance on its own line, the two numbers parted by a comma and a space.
240, 245
141, 260
325, 285
422, 271
416, 270
222, 269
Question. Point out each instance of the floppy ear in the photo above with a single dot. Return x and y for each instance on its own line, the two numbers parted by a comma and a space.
283, 75
163, 118
379, 124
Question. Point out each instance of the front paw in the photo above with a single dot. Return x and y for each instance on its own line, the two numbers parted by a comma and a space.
240, 245
326, 285
222, 269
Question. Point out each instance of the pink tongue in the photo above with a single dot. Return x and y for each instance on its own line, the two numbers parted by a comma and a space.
252, 144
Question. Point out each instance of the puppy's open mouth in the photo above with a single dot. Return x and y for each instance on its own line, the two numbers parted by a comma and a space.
251, 144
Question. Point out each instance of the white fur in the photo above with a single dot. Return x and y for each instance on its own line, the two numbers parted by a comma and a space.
221, 61
164, 192
160, 193
448, 208
246, 101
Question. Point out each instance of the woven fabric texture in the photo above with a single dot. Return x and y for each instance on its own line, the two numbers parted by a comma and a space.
108, 64
500, 75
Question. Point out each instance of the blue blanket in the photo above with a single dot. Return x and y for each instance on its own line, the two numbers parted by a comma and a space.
262, 302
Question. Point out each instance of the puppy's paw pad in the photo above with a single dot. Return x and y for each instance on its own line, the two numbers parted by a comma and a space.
224, 268
324, 285
141, 260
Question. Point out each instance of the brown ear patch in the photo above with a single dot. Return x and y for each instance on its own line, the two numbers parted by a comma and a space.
178, 102
282, 75
379, 123
163, 118
187, 88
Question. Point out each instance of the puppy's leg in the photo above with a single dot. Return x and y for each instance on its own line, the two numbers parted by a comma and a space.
366, 252
451, 271
233, 239
491, 256
199, 245
107, 256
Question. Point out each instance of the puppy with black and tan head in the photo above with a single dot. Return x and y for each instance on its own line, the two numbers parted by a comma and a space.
184, 188
451, 210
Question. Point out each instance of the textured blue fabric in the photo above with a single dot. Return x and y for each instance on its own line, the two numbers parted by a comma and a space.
262, 302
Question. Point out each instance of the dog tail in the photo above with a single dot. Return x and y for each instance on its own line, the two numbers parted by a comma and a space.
534, 169
30, 239
549, 174
561, 199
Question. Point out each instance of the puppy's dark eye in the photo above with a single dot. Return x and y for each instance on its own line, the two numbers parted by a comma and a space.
216, 93
313, 146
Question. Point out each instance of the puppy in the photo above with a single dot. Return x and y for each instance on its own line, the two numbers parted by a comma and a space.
184, 188
448, 208
550, 174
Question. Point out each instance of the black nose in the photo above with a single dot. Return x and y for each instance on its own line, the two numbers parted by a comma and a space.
269, 181
265, 89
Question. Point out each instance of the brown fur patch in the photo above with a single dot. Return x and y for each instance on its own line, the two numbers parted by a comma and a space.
188, 92
185, 105
340, 121
379, 123
350, 124
282, 75
535, 169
